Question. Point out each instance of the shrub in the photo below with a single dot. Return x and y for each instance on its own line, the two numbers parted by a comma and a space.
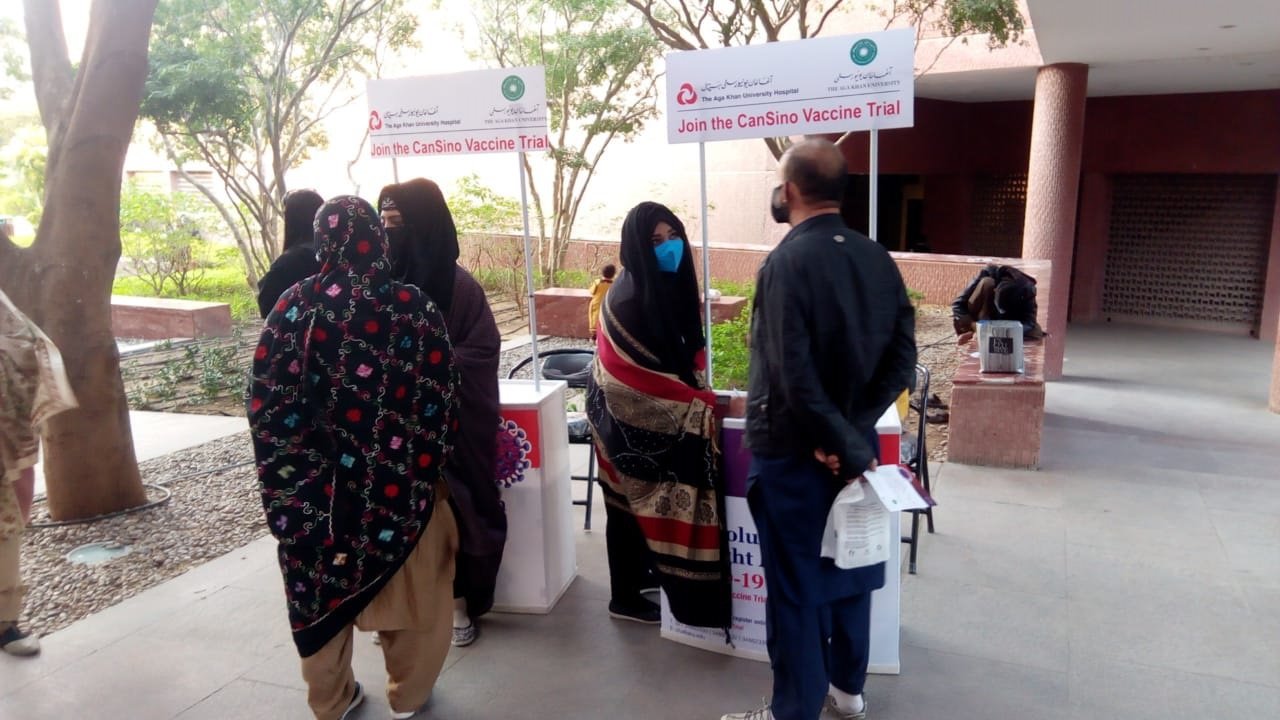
161, 239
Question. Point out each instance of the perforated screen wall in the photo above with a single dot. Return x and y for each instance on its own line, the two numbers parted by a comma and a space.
999, 208
1189, 248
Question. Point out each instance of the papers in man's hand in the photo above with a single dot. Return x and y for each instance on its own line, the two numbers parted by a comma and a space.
896, 489
857, 532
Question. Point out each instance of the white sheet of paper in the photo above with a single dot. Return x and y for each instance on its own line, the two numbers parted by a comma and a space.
893, 486
857, 533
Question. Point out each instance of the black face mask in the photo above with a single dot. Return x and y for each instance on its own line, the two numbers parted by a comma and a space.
396, 239
778, 208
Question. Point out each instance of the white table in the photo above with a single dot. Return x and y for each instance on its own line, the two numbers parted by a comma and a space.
540, 561
750, 587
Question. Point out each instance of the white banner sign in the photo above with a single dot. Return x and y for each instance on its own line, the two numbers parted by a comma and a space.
821, 85
483, 111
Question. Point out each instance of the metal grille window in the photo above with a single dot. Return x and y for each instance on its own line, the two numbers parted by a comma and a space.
999, 208
1189, 249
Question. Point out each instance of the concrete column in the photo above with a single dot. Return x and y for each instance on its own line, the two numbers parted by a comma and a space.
1053, 185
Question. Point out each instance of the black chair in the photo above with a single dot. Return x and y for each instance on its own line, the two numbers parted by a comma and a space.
573, 366
915, 456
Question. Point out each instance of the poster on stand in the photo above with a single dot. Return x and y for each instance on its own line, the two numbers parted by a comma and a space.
803, 87
482, 111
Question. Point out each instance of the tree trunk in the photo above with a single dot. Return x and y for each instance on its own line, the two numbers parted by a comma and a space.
64, 280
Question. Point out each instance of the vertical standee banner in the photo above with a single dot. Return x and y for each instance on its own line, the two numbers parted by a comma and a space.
831, 85
481, 111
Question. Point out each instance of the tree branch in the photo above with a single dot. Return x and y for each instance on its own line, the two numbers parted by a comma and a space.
51, 68
826, 16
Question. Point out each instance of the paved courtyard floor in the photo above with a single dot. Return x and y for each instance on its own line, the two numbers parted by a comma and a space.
1136, 576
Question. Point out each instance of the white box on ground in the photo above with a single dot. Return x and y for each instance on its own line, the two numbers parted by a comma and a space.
750, 587
540, 561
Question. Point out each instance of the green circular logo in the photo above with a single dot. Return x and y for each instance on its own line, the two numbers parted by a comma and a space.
863, 52
513, 87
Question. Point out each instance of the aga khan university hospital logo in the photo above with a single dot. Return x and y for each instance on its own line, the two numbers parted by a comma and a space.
863, 52
513, 88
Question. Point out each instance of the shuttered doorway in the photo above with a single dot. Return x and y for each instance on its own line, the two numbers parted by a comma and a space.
1189, 250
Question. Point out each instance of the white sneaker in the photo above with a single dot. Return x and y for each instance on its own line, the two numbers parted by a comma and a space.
839, 714
407, 714
464, 636
15, 642
762, 713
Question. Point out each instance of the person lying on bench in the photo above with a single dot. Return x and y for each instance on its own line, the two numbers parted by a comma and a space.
999, 292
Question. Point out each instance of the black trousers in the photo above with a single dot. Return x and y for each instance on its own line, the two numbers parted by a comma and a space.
630, 561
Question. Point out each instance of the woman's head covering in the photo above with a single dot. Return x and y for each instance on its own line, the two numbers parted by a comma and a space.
668, 320
350, 404
300, 208
425, 252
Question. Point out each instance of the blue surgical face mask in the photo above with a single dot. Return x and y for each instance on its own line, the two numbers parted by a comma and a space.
669, 253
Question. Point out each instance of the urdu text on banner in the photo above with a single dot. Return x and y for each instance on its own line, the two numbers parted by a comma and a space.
820, 85
482, 111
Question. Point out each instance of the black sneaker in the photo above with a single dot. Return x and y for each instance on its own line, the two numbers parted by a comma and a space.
15, 642
640, 611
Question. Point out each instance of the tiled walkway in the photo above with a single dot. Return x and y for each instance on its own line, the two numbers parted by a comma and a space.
1136, 576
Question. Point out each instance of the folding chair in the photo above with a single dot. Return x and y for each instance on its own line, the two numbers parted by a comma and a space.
915, 455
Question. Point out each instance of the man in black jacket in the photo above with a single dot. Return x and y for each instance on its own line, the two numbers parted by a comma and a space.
999, 292
832, 346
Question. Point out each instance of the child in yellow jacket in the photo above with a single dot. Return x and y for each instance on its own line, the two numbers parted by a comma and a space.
599, 289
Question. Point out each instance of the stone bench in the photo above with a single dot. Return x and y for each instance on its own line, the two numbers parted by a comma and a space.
562, 312
997, 418
147, 318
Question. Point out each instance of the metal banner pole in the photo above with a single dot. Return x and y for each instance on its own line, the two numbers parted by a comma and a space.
706, 255
395, 171
874, 177
528, 275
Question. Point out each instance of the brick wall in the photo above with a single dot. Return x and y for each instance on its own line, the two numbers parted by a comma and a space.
939, 277
996, 426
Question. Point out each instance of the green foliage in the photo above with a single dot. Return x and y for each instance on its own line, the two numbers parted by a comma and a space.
1001, 20
215, 368
731, 351
22, 162
729, 288
222, 283
477, 208
13, 57
601, 86
161, 236
580, 279
245, 85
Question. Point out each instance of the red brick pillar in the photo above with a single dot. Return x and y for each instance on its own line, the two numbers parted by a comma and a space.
1053, 185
